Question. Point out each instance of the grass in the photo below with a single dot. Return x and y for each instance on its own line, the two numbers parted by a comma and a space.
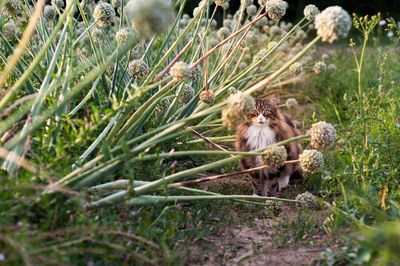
76, 119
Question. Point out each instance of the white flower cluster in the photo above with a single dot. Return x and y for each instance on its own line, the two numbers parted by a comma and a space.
306, 200
138, 69
274, 156
310, 12
322, 134
311, 161
150, 17
180, 71
103, 14
276, 9
332, 23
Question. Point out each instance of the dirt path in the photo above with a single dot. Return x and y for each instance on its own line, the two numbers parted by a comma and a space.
293, 238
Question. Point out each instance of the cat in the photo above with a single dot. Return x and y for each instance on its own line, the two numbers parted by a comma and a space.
264, 126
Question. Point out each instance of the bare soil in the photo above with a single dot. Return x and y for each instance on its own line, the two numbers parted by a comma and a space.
259, 239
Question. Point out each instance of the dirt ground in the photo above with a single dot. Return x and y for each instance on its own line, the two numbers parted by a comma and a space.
265, 240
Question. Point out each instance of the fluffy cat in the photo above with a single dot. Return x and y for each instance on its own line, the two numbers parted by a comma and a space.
264, 126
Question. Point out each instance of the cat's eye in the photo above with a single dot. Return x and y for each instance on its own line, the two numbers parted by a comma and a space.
254, 112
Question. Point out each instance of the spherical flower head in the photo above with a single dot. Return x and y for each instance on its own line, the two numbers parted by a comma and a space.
241, 102
322, 134
332, 67
251, 10
260, 54
138, 69
103, 14
276, 9
300, 35
213, 42
225, 5
275, 30
195, 74
242, 65
227, 23
311, 161
220, 2
11, 8
231, 119
262, 2
325, 58
306, 200
333, 23
252, 38
58, 4
49, 12
319, 67
291, 103
186, 94
116, 3
274, 207
247, 2
232, 90
180, 71
150, 17
262, 22
163, 106
296, 68
9, 29
97, 33
207, 97
274, 156
122, 36
310, 12
223, 33
271, 45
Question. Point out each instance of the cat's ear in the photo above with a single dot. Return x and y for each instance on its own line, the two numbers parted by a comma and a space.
274, 99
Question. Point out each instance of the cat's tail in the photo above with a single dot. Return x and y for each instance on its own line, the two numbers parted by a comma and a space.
297, 177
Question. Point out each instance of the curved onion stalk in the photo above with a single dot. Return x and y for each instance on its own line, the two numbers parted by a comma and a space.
152, 200
154, 185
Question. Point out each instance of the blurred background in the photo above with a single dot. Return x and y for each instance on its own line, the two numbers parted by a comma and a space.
388, 8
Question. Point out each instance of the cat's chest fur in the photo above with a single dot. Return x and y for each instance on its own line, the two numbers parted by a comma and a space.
259, 137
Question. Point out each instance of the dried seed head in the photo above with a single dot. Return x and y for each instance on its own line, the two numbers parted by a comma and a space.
310, 12
150, 17
180, 71
103, 14
186, 94
311, 161
225, 5
195, 74
207, 97
333, 23
251, 10
11, 8
232, 119
296, 68
276, 9
122, 36
322, 134
319, 67
274, 207
223, 33
138, 69
274, 156
291, 103
306, 200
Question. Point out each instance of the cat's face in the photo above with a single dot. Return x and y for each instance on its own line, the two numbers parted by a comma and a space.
265, 112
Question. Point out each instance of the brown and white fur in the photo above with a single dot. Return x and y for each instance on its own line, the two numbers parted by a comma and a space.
265, 126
